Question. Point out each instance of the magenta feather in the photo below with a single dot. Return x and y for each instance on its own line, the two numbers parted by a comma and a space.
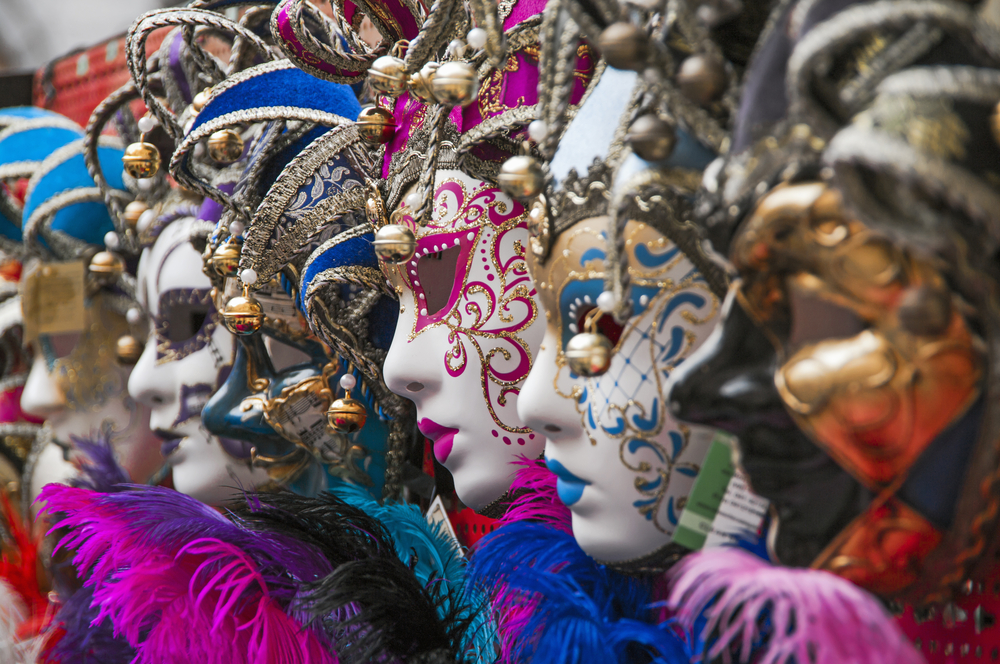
182, 583
779, 615
536, 498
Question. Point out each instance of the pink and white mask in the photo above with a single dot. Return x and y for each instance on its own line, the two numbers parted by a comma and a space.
188, 355
468, 330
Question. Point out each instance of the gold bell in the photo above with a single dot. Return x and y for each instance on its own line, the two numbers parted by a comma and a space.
243, 314
455, 84
226, 259
701, 78
376, 125
624, 46
421, 83
588, 354
200, 100
388, 76
652, 138
141, 160
127, 349
106, 267
132, 213
395, 243
346, 415
225, 146
521, 177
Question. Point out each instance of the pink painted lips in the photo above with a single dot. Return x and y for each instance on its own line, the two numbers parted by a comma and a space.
441, 435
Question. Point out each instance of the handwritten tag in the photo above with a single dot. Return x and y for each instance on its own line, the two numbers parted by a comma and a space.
52, 301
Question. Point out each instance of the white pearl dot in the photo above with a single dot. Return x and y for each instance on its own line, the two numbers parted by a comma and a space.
413, 200
133, 316
236, 228
347, 381
111, 240
456, 48
538, 130
145, 184
146, 220
423, 312
470, 237
248, 276
147, 123
643, 300
606, 302
476, 38
199, 149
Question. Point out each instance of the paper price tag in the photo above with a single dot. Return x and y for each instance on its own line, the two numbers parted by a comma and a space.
437, 514
53, 299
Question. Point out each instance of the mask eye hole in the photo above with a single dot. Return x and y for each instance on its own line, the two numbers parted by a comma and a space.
816, 319
185, 320
438, 274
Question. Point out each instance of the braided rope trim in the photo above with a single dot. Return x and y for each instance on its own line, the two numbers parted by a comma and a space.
433, 32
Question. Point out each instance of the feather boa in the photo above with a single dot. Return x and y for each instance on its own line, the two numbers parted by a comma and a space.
182, 583
799, 615
18, 570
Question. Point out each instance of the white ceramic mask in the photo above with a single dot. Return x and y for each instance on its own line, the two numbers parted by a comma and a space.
467, 333
188, 354
624, 466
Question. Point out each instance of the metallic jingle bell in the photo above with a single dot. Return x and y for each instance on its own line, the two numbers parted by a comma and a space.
388, 76
624, 46
395, 243
200, 100
225, 146
106, 267
420, 83
701, 78
226, 259
141, 160
132, 213
521, 177
455, 84
588, 354
127, 349
652, 137
346, 415
376, 125
243, 315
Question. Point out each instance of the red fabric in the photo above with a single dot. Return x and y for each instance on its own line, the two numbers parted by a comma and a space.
961, 631
471, 527
81, 81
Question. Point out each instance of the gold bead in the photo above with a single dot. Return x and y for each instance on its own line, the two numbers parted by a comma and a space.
346, 415
521, 177
132, 213
588, 354
225, 261
455, 84
376, 125
995, 123
388, 76
395, 243
127, 349
141, 160
420, 83
652, 138
225, 146
200, 100
624, 46
106, 267
701, 78
243, 315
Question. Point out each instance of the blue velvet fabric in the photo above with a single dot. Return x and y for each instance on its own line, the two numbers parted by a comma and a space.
90, 221
35, 144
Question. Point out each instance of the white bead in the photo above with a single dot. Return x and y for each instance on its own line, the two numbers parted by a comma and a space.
457, 48
606, 302
476, 38
145, 184
199, 148
147, 123
146, 220
111, 240
236, 228
248, 276
413, 201
347, 381
538, 130
133, 316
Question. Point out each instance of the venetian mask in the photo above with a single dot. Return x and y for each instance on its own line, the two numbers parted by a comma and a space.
860, 344
467, 333
188, 355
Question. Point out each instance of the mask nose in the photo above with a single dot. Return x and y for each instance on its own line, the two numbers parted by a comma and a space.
42, 396
728, 383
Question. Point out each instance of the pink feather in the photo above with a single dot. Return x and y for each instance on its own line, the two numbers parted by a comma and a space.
201, 600
537, 499
814, 616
